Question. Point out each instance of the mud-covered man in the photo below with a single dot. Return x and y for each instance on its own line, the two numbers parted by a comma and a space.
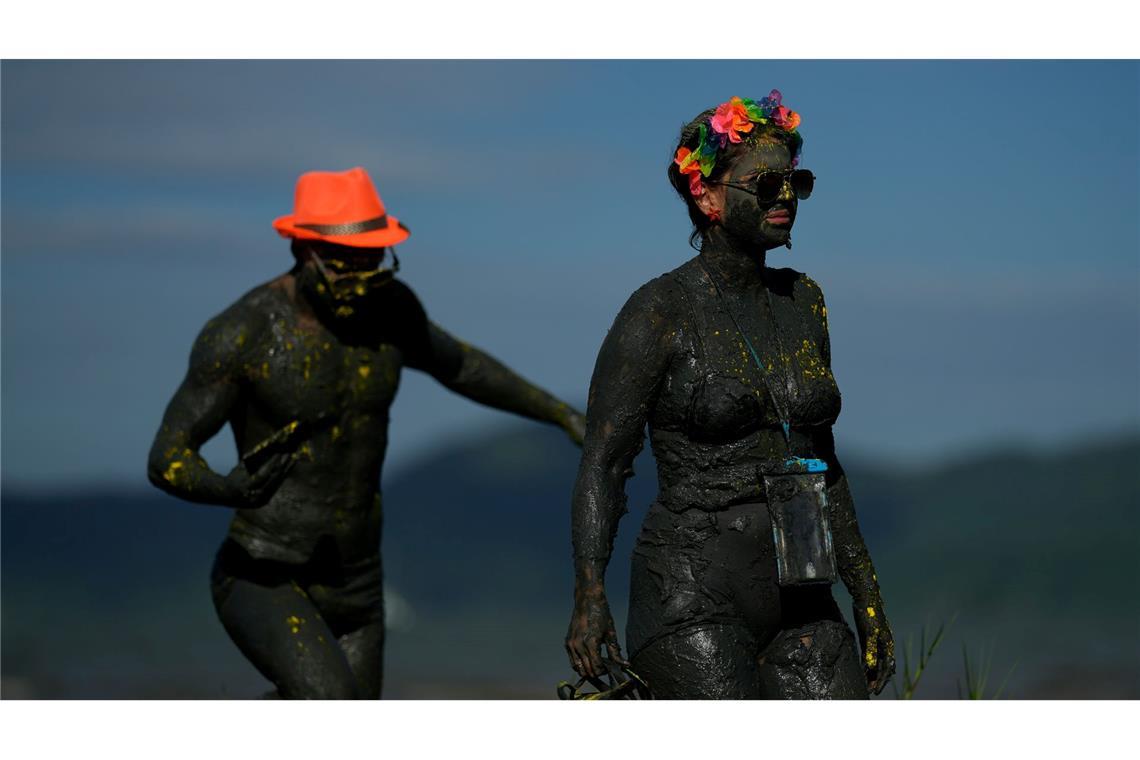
304, 369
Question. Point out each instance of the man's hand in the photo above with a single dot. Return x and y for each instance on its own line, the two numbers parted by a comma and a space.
250, 491
575, 426
878, 645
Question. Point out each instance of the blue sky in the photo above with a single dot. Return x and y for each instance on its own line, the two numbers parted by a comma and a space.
974, 228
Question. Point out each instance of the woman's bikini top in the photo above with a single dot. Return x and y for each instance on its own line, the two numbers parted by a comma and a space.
714, 419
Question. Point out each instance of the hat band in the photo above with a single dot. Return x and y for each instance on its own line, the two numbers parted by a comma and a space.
352, 228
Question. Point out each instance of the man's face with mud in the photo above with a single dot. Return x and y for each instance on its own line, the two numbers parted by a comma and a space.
345, 281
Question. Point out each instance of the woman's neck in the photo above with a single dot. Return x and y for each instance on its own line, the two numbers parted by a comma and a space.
730, 263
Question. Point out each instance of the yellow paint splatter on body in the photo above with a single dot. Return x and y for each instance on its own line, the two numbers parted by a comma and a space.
172, 471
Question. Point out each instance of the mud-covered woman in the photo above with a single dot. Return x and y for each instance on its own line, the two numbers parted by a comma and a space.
728, 362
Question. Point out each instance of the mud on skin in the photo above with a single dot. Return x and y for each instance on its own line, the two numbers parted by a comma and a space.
706, 617
304, 541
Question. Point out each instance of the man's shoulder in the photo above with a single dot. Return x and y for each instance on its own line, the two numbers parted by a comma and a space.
261, 304
235, 326
400, 291
399, 305
275, 295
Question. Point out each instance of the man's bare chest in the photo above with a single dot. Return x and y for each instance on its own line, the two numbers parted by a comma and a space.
296, 373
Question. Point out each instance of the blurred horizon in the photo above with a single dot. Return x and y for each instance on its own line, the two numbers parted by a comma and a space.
509, 424
478, 575
979, 254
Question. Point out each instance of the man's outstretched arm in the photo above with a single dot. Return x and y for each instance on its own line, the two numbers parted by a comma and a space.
480, 377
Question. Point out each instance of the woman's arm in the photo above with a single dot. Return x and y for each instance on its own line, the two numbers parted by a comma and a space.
854, 561
627, 374
857, 571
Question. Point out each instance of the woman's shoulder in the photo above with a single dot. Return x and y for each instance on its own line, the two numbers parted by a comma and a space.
665, 290
804, 292
657, 307
793, 282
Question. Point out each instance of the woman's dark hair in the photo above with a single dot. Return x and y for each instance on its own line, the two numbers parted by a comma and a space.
726, 156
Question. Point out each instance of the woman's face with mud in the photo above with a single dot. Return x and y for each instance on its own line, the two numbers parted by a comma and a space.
751, 221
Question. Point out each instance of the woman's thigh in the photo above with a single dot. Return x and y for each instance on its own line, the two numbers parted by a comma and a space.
814, 660
713, 661
708, 620
696, 569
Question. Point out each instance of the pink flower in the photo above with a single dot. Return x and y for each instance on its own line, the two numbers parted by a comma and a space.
696, 188
785, 118
731, 119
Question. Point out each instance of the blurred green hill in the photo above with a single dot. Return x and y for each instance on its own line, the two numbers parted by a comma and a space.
103, 592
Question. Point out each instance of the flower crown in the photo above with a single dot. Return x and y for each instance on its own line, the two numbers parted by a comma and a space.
732, 119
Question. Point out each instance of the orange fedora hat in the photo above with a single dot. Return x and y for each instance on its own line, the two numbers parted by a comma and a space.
342, 208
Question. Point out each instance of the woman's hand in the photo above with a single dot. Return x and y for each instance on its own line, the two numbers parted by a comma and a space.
247, 490
878, 645
591, 627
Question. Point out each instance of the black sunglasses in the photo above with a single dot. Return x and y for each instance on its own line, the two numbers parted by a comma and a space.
769, 184
361, 270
